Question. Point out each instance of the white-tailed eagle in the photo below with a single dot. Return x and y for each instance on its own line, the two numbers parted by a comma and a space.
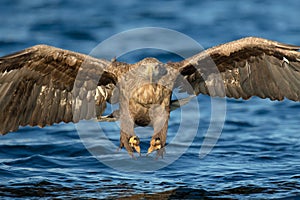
42, 85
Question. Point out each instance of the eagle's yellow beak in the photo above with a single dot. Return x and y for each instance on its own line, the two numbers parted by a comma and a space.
155, 144
134, 142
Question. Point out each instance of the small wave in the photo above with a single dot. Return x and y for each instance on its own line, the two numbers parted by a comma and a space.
239, 123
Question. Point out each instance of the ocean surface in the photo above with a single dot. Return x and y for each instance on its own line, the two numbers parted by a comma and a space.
256, 156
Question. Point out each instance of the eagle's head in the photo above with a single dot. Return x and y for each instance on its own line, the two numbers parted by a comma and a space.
152, 69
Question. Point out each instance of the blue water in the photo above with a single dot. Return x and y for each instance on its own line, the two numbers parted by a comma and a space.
256, 157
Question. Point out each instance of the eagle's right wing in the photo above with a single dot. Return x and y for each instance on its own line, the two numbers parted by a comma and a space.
43, 85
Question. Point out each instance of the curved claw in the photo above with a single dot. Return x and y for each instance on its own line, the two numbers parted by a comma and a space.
131, 144
134, 143
160, 153
155, 144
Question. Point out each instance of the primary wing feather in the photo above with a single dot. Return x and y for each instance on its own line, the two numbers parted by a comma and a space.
245, 68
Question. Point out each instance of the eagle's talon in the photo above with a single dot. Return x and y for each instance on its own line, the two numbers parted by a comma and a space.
131, 144
160, 153
155, 144
129, 151
134, 143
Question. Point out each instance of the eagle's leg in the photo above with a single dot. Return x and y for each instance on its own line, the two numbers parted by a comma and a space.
160, 125
128, 139
158, 140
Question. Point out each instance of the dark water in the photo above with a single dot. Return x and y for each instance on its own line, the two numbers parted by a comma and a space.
256, 157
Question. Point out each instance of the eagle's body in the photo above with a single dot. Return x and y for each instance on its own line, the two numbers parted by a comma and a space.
140, 106
43, 85
145, 97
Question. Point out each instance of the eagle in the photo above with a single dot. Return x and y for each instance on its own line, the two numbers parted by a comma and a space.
43, 85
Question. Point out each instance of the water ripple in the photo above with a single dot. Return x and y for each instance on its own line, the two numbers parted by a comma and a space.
256, 157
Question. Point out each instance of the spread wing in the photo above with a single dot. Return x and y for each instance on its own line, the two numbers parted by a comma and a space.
43, 85
244, 68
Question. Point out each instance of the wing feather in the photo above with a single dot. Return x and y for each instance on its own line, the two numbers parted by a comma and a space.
248, 67
37, 87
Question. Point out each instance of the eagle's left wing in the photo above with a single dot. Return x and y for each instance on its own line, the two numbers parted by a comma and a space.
245, 68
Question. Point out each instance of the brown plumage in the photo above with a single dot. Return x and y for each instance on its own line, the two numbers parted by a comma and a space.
43, 85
